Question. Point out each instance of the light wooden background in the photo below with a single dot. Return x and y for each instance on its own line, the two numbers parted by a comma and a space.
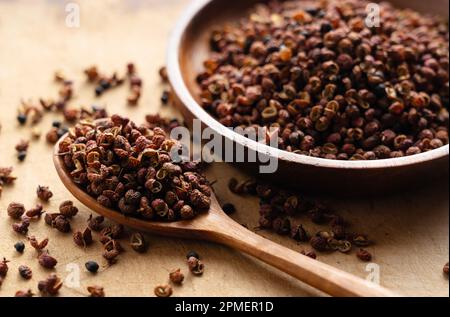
411, 229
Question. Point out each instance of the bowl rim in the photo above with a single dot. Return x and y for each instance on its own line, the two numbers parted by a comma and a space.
181, 90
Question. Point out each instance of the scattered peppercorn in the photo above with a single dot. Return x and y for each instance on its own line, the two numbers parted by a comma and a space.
22, 226
25, 272
3, 267
195, 266
67, 209
165, 97
19, 246
228, 208
39, 246
319, 243
176, 277
96, 223
35, 212
44, 193
446, 268
364, 255
22, 146
92, 266
51, 285
21, 156
60, 223
83, 239
15, 210
310, 254
163, 291
22, 118
96, 291
299, 234
138, 242
192, 254
27, 293
5, 177
47, 261
163, 74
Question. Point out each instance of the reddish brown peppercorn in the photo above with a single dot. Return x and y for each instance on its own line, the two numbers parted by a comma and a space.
44, 193
364, 255
35, 212
51, 285
176, 276
83, 239
21, 227
446, 268
3, 267
47, 261
67, 209
36, 244
16, 210
163, 291
96, 291
25, 272
27, 293
319, 243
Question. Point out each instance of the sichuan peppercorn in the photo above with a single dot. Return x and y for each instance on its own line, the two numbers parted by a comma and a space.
327, 78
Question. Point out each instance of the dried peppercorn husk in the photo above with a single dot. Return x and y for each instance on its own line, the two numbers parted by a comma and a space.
47, 261
51, 285
22, 226
333, 88
35, 212
96, 291
129, 168
83, 239
6, 177
44, 193
27, 293
163, 291
15, 210
3, 267
176, 276
36, 244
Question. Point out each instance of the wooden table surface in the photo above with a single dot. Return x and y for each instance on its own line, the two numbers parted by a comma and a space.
411, 230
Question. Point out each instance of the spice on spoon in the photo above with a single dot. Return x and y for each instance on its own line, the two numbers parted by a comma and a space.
129, 168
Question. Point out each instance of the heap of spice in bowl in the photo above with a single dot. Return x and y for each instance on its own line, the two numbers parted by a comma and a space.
333, 85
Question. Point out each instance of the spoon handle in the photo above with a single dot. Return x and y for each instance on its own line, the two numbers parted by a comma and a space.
314, 273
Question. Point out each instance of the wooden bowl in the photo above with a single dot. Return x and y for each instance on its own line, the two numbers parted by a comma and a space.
189, 47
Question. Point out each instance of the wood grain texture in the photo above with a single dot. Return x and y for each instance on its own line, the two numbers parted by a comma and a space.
411, 229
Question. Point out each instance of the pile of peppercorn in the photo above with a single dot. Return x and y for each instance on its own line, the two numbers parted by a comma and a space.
129, 168
333, 87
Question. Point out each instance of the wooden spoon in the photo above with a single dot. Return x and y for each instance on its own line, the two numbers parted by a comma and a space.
218, 227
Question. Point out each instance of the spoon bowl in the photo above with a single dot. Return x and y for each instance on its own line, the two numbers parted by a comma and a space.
216, 226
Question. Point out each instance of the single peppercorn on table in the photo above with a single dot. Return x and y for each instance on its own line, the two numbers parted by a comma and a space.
410, 229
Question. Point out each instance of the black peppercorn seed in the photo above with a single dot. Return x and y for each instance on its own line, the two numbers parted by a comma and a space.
19, 246
21, 156
61, 132
56, 124
99, 91
22, 119
228, 208
192, 254
92, 266
165, 97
